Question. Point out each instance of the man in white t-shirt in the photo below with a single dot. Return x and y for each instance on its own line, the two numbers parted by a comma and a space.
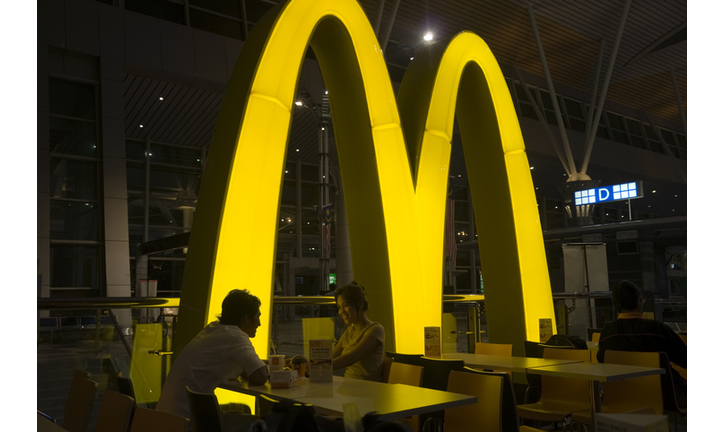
220, 352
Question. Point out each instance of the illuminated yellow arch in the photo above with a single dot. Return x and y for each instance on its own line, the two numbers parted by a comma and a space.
395, 204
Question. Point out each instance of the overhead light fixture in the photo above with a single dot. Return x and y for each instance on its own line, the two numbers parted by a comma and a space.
412, 58
161, 98
298, 103
428, 37
531, 168
654, 191
297, 150
140, 126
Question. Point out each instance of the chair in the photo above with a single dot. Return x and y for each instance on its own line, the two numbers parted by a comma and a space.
125, 386
115, 413
79, 404
488, 348
402, 373
485, 414
277, 414
385, 373
437, 371
630, 394
560, 397
509, 410
435, 377
404, 358
669, 392
145, 420
204, 412
596, 336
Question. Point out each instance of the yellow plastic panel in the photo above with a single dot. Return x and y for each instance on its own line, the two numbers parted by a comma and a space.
145, 368
395, 195
224, 397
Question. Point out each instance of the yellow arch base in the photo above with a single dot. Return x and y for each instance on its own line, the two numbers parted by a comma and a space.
395, 195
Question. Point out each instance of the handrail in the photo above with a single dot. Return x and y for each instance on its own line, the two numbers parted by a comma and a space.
581, 295
107, 302
171, 302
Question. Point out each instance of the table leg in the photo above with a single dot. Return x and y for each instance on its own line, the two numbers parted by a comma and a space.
596, 402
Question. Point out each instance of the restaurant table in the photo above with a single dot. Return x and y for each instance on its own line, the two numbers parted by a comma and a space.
46, 425
513, 364
388, 401
596, 373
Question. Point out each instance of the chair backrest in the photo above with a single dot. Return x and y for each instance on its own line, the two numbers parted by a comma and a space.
79, 404
596, 336
401, 373
145, 420
115, 413
633, 393
485, 414
669, 392
405, 358
558, 388
437, 371
385, 372
488, 348
509, 409
204, 411
125, 386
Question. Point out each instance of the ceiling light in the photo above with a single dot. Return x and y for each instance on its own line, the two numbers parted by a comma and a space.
323, 128
654, 191
531, 168
140, 126
428, 37
297, 150
298, 103
412, 58
161, 98
325, 91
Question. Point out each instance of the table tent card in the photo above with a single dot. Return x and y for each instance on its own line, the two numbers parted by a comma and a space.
320, 360
432, 341
546, 329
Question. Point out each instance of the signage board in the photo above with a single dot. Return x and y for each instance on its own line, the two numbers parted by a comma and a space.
616, 192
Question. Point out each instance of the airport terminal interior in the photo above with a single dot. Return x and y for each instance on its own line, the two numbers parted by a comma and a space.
129, 94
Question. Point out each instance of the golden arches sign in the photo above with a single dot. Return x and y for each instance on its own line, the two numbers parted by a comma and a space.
395, 195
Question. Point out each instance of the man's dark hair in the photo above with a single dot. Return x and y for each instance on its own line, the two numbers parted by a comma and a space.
625, 295
355, 294
238, 304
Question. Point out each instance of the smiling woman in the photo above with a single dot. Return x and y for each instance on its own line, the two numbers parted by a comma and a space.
360, 349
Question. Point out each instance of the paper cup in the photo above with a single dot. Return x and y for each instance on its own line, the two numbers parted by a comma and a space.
276, 362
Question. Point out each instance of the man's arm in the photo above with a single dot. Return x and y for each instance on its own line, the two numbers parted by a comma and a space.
259, 376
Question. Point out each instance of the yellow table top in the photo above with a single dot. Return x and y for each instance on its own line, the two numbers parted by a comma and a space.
513, 364
390, 401
602, 372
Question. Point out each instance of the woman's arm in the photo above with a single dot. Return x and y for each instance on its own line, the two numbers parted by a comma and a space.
366, 346
337, 350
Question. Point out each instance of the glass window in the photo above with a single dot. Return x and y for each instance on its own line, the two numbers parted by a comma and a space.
73, 137
230, 8
172, 155
164, 9
70, 220
73, 179
72, 99
216, 24
635, 132
616, 123
575, 114
603, 129
461, 211
682, 142
289, 194
310, 173
310, 224
75, 266
135, 150
548, 107
525, 107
